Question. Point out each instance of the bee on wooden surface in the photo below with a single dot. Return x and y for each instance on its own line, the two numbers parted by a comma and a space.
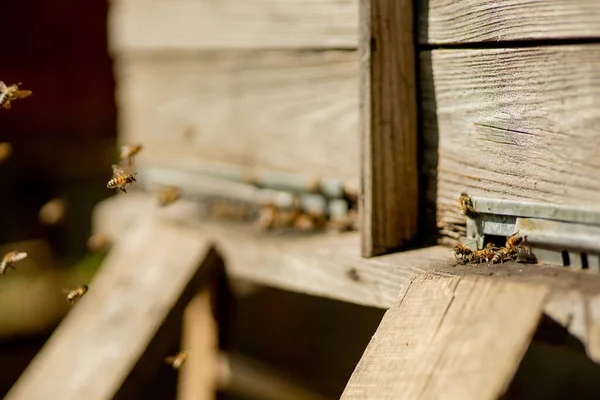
127, 153
466, 205
504, 254
463, 253
177, 360
120, 179
168, 195
483, 255
9, 259
514, 240
10, 93
524, 254
73, 296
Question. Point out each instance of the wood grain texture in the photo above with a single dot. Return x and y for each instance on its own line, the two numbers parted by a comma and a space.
136, 25
93, 350
286, 111
389, 178
449, 22
198, 378
450, 338
518, 124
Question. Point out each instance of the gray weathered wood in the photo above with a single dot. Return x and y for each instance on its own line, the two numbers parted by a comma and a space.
142, 25
93, 350
449, 338
294, 112
467, 21
389, 179
516, 124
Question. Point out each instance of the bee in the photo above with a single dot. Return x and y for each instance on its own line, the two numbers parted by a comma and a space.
466, 205
484, 255
504, 254
168, 195
73, 296
463, 253
10, 93
514, 240
9, 259
120, 179
177, 360
266, 217
127, 153
524, 254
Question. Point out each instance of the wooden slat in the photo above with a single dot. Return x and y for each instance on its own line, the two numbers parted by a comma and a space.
93, 350
516, 124
288, 111
467, 21
198, 378
232, 24
389, 179
449, 338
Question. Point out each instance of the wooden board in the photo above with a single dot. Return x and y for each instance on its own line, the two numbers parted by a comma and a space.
469, 21
449, 338
389, 178
136, 25
287, 111
517, 124
93, 350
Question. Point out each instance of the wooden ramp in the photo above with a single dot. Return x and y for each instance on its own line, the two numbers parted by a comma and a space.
449, 338
156, 268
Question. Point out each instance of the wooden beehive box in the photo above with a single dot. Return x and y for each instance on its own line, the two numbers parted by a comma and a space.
254, 84
509, 98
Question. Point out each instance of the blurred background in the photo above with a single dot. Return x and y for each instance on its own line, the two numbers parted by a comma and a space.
57, 148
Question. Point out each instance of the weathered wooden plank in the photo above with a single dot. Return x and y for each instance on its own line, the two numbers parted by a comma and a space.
450, 338
389, 178
93, 350
444, 22
136, 25
288, 111
516, 124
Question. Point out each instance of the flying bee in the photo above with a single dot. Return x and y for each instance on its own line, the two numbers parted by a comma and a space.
10, 93
74, 295
177, 360
466, 205
168, 195
514, 240
127, 153
463, 253
9, 259
120, 179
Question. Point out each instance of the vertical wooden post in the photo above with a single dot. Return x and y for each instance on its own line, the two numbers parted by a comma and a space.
199, 375
389, 172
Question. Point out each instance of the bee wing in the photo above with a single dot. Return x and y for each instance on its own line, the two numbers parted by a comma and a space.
117, 171
21, 94
2, 86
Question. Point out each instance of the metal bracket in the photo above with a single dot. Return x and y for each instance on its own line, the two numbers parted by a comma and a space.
559, 235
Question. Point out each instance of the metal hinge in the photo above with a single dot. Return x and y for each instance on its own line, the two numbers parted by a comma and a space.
559, 235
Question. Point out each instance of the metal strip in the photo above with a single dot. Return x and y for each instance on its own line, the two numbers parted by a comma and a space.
590, 216
560, 235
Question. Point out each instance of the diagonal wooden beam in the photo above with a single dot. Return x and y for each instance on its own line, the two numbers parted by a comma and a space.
451, 338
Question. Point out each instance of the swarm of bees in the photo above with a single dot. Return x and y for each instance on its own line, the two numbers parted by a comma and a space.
10, 259
515, 249
177, 360
10, 93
